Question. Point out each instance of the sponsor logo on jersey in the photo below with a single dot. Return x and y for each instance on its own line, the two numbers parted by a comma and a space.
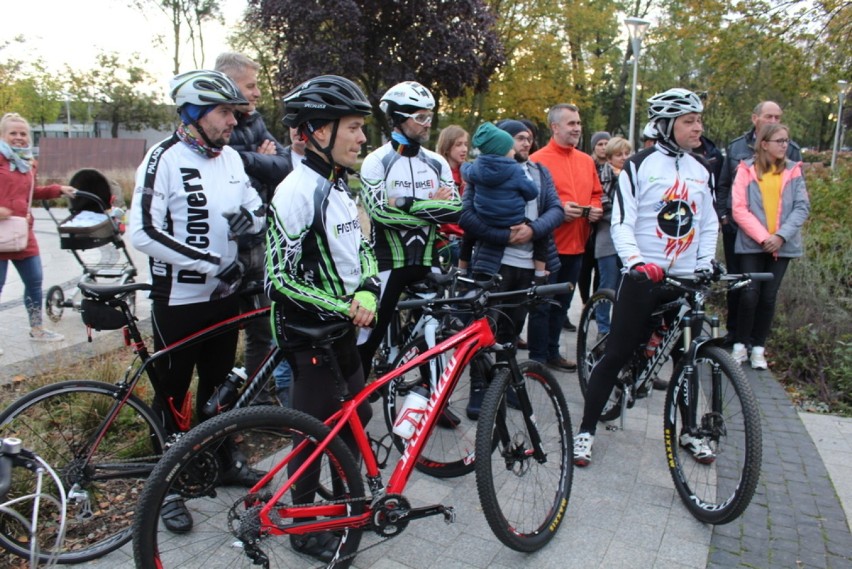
676, 220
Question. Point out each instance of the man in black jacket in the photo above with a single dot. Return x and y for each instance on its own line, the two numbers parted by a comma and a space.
742, 148
267, 163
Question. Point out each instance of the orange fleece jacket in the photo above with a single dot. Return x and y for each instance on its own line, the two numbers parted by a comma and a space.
576, 180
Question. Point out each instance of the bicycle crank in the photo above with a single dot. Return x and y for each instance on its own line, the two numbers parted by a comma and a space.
393, 512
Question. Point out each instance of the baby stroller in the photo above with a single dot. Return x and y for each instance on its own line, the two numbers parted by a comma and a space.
92, 223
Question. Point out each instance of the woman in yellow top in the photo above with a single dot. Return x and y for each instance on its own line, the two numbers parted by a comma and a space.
770, 205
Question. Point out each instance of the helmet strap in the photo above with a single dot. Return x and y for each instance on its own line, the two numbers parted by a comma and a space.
308, 130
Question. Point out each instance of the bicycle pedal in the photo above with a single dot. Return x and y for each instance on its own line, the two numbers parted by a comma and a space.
449, 515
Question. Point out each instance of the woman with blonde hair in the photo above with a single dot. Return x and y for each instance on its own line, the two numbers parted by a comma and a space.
770, 205
17, 191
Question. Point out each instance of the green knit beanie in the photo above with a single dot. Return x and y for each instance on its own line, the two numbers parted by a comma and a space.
491, 140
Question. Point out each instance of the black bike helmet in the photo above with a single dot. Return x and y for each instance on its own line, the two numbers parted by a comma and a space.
323, 99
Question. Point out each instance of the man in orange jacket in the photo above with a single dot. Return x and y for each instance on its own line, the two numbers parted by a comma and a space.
579, 190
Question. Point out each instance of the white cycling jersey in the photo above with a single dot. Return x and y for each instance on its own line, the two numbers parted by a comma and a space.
663, 212
406, 236
177, 218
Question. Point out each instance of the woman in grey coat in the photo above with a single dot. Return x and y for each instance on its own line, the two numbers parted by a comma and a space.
770, 205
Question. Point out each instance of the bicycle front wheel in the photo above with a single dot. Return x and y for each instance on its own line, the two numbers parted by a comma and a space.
102, 467
715, 461
449, 450
524, 484
227, 530
592, 332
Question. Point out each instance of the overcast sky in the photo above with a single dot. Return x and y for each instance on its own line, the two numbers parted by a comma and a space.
73, 33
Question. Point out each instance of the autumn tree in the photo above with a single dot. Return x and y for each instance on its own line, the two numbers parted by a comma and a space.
121, 93
448, 46
186, 18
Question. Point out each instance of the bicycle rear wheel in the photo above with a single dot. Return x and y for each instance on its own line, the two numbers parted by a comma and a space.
449, 451
226, 518
60, 423
718, 490
524, 495
591, 338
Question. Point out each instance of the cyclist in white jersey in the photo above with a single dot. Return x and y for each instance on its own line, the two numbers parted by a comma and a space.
663, 221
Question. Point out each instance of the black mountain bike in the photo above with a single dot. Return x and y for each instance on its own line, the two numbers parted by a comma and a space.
708, 398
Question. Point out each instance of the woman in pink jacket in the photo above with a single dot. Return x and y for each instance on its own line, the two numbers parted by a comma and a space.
770, 205
17, 183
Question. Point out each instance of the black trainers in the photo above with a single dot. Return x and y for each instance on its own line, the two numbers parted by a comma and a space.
319, 545
474, 404
568, 326
241, 474
174, 514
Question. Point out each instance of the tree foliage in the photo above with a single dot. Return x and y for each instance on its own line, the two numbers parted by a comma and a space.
186, 18
450, 46
121, 93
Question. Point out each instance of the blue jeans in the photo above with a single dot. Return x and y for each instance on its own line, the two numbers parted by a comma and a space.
546, 320
609, 274
283, 375
31, 274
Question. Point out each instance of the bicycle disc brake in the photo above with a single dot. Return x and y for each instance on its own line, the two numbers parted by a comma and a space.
713, 425
517, 456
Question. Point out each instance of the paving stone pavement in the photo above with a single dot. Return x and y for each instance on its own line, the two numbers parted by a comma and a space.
624, 511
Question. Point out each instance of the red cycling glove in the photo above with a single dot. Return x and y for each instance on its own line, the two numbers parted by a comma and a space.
650, 271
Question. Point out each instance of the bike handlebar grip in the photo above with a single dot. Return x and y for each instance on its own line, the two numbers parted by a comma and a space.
760, 276
553, 289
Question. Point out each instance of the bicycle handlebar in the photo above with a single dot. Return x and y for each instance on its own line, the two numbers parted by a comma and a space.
483, 293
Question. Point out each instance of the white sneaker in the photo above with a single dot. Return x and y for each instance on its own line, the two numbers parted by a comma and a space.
698, 448
739, 353
583, 449
758, 358
42, 335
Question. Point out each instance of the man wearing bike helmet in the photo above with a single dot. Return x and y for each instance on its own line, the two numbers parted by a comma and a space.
320, 268
663, 221
408, 191
192, 201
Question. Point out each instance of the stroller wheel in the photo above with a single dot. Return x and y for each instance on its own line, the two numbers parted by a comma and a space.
54, 303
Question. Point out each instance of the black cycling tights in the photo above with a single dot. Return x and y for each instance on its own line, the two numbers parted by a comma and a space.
314, 391
631, 326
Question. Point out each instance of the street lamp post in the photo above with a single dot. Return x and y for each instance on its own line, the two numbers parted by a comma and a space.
841, 88
636, 27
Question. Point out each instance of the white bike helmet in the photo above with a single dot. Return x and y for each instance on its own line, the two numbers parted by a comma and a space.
204, 87
407, 97
673, 103
665, 107
650, 132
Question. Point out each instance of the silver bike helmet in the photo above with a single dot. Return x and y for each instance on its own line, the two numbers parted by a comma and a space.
665, 107
407, 97
204, 87
673, 103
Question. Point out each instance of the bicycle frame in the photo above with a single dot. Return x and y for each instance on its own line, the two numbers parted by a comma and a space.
174, 420
467, 344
